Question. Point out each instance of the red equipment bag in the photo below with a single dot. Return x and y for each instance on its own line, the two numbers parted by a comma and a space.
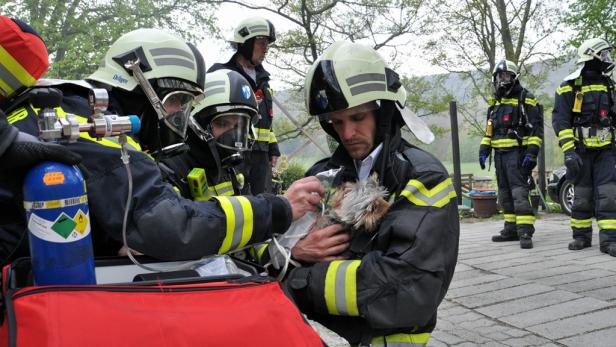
251, 311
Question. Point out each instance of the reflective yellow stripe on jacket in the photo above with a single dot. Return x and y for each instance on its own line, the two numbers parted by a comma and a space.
263, 135
341, 287
272, 137
221, 189
566, 139
12, 75
583, 89
238, 211
438, 196
401, 340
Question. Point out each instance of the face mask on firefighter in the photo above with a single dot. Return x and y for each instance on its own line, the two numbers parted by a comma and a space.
606, 58
230, 131
503, 79
177, 106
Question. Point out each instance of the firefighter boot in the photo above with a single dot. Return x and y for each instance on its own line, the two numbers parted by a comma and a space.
526, 242
578, 244
609, 248
504, 237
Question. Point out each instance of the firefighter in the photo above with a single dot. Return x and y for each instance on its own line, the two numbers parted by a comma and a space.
251, 40
583, 119
515, 131
219, 126
388, 289
157, 76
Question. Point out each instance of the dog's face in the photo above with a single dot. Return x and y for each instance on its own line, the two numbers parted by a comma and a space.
360, 205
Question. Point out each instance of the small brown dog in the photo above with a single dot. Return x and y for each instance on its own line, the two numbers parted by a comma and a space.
357, 205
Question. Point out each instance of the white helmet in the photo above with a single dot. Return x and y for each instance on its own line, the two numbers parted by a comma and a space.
153, 60
591, 48
253, 27
347, 75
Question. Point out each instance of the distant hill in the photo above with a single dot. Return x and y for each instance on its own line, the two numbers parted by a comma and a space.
454, 84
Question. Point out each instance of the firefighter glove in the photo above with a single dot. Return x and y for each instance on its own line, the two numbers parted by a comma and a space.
529, 161
26, 151
574, 163
482, 160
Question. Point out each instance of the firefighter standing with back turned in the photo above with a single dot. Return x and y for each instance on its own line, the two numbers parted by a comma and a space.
583, 118
515, 131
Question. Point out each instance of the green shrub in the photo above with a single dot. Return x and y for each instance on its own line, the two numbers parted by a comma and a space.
293, 172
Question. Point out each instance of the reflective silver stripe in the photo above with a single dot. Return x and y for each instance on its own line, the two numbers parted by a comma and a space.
258, 28
171, 51
9, 79
365, 77
341, 288
370, 87
222, 190
239, 223
213, 91
214, 83
175, 61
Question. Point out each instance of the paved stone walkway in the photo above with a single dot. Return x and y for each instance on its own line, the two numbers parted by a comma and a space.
502, 295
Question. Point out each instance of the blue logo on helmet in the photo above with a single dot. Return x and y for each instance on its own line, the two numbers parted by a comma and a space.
246, 91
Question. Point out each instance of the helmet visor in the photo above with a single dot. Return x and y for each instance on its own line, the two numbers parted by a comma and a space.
230, 130
177, 106
325, 93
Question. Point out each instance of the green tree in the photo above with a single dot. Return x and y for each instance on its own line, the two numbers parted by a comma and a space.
591, 18
318, 23
388, 24
78, 32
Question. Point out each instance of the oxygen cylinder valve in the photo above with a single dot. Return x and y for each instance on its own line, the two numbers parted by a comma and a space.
53, 127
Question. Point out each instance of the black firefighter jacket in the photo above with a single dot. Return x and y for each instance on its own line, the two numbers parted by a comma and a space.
517, 123
596, 112
396, 277
161, 223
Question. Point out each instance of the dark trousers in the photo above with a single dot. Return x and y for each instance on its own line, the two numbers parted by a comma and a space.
257, 170
513, 190
595, 196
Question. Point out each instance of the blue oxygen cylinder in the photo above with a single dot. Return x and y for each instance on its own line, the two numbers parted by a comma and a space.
56, 207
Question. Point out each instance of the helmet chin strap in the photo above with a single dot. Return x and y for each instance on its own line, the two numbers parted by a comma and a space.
246, 49
214, 151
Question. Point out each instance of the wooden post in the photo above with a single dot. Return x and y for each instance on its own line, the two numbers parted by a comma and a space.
455, 149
